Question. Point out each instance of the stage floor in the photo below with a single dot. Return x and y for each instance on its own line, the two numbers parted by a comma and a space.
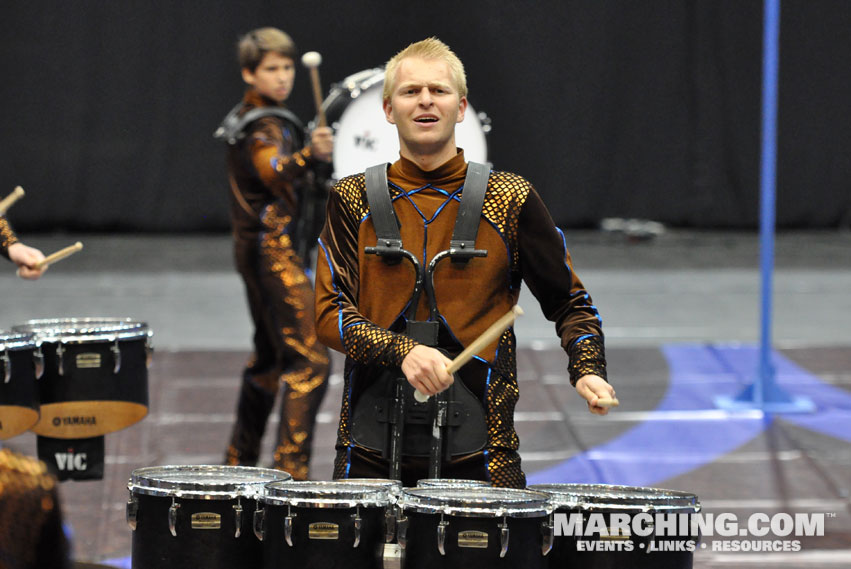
681, 315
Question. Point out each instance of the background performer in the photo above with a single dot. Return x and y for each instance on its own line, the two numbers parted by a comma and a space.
269, 169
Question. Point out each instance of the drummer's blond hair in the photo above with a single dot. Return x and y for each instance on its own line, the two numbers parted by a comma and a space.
430, 48
254, 46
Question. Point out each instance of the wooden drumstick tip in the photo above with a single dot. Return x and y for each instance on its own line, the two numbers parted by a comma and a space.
9, 200
311, 59
608, 402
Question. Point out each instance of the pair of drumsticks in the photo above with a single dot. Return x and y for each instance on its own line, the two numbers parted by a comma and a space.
8, 201
492, 333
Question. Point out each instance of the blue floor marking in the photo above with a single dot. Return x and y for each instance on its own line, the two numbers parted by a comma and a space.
671, 442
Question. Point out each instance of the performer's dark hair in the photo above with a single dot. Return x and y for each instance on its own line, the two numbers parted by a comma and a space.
254, 45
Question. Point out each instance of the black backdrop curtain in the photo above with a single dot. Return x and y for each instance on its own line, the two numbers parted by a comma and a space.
610, 107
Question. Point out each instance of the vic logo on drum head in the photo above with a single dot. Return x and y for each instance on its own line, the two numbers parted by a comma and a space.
70, 461
365, 141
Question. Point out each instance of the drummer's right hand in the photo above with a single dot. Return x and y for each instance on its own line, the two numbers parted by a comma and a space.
322, 143
425, 370
26, 258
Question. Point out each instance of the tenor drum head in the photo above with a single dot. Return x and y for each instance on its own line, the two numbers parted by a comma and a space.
476, 502
364, 138
395, 487
203, 482
333, 494
608, 496
71, 330
451, 483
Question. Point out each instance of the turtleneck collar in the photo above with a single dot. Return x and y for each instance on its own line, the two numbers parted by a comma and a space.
254, 98
408, 175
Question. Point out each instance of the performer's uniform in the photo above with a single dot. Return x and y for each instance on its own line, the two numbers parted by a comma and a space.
265, 169
361, 301
7, 237
31, 534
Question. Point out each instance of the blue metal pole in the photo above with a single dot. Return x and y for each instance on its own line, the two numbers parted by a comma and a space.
768, 188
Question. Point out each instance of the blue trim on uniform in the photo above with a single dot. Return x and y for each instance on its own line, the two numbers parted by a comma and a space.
334, 285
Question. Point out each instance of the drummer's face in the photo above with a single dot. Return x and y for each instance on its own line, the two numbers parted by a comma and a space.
425, 107
273, 77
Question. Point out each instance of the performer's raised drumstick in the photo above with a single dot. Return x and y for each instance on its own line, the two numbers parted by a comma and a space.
492, 333
9, 200
59, 255
608, 402
312, 60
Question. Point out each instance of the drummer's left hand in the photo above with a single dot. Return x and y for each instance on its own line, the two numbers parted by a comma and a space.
26, 258
592, 388
322, 143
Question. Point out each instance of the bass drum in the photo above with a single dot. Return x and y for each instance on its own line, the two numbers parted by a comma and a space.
364, 138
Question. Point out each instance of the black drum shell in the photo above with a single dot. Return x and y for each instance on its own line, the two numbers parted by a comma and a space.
307, 553
115, 400
524, 543
154, 547
19, 397
566, 555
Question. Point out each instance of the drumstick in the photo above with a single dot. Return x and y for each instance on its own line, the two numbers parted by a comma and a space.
9, 200
312, 60
492, 333
608, 402
59, 255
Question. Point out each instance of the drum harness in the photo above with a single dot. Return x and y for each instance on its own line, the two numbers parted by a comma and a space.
311, 195
389, 402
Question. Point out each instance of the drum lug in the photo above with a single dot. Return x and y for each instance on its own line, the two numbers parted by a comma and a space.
149, 349
7, 366
237, 510
259, 523
116, 357
60, 351
38, 361
389, 524
357, 521
132, 512
172, 517
441, 535
549, 536
503, 538
402, 530
288, 526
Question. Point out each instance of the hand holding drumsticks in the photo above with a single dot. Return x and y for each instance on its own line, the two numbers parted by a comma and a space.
33, 263
424, 367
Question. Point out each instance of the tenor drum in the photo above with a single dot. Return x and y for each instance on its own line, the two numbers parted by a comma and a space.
196, 516
322, 525
95, 375
363, 137
20, 366
459, 527
614, 508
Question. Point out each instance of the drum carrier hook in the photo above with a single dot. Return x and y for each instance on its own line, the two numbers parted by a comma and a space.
462, 248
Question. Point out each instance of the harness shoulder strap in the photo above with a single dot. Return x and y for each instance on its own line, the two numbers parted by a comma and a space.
389, 242
462, 246
233, 126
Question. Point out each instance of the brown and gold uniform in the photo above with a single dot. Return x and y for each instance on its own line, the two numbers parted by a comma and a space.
31, 535
7, 237
361, 301
264, 170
